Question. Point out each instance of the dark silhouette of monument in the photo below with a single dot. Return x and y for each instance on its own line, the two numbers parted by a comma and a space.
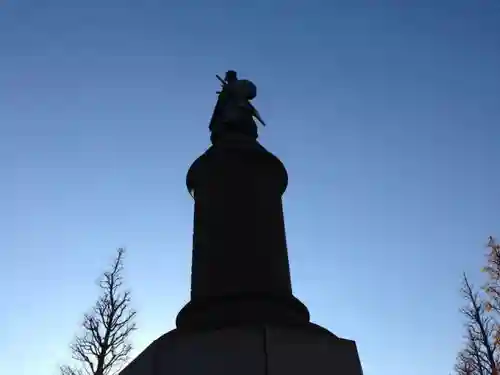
243, 318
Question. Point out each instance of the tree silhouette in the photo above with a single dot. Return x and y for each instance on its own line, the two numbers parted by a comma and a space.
104, 347
492, 286
470, 361
465, 364
479, 355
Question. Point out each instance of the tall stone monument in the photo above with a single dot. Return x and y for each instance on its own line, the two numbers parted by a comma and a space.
243, 318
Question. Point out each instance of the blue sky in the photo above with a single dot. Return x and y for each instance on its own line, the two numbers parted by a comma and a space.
387, 117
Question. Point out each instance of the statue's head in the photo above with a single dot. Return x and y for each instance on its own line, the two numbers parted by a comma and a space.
231, 76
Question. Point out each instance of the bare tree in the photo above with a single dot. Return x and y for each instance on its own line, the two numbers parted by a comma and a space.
465, 364
481, 348
473, 349
492, 269
470, 361
104, 347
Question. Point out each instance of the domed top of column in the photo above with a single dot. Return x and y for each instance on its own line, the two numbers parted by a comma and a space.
235, 149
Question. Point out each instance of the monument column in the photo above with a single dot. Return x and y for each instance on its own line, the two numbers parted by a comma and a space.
242, 317
240, 270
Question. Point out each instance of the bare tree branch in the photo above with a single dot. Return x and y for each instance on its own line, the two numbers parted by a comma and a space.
479, 355
104, 347
465, 364
67, 370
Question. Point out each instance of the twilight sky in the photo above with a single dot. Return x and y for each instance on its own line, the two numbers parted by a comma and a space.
387, 117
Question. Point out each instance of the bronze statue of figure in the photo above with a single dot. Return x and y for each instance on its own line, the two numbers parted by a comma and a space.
233, 113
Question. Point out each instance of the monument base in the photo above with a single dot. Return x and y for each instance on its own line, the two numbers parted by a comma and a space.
258, 350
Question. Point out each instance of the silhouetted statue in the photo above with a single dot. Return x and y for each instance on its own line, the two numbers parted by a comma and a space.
233, 113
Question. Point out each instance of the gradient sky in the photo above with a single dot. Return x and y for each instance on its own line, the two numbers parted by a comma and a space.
387, 117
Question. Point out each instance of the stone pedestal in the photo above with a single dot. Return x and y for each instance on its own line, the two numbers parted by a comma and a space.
251, 350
